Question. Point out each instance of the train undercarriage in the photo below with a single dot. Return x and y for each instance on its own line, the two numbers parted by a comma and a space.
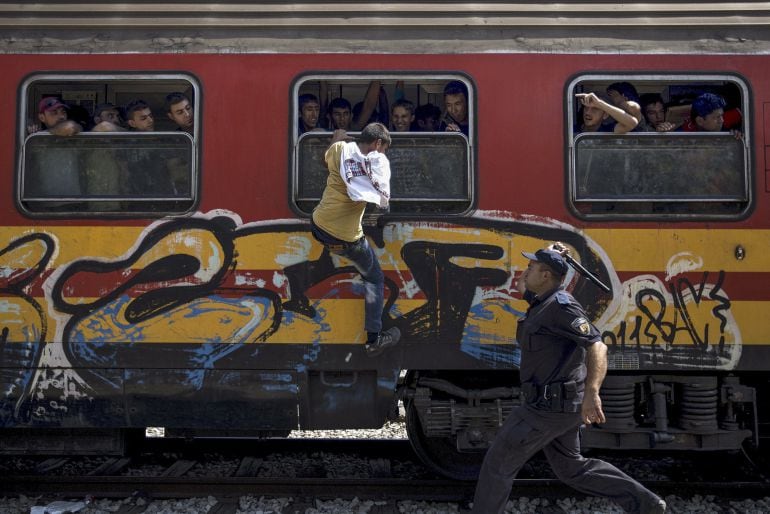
451, 420
452, 416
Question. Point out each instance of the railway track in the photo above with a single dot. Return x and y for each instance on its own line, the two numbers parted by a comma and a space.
306, 470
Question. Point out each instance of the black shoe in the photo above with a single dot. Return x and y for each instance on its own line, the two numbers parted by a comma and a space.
385, 340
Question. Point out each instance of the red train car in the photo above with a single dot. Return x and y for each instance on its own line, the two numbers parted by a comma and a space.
168, 278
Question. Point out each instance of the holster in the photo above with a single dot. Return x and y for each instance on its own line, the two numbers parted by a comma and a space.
549, 397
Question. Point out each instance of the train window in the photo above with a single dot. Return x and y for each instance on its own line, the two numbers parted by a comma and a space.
678, 162
116, 164
432, 169
107, 172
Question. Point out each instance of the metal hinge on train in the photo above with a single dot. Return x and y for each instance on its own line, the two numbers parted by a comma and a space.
472, 416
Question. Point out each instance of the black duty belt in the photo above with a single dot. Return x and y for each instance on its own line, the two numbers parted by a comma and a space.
552, 397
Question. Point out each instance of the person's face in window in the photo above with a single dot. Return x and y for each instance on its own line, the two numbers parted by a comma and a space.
309, 115
655, 113
428, 124
341, 118
457, 107
142, 120
181, 113
110, 115
51, 117
712, 122
592, 117
401, 119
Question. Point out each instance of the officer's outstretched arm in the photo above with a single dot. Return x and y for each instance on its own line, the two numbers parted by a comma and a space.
596, 365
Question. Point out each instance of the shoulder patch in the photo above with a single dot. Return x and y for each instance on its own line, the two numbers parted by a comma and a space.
581, 326
562, 297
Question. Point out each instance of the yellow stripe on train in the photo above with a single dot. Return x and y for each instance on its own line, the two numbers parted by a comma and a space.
643, 250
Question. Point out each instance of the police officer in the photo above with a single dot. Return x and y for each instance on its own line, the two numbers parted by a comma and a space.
563, 364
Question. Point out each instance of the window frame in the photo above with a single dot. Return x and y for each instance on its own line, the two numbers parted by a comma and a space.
684, 78
471, 175
141, 81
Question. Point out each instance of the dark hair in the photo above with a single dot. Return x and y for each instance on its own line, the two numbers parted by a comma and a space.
649, 99
705, 104
427, 111
80, 115
174, 98
106, 106
455, 88
339, 103
306, 99
135, 105
626, 89
403, 102
374, 131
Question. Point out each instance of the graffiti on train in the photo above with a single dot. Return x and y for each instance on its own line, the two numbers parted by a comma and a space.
217, 288
675, 320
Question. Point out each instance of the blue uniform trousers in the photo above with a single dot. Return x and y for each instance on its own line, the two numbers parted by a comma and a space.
528, 430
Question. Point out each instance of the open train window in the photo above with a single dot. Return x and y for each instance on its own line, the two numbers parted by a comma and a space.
105, 144
687, 157
431, 168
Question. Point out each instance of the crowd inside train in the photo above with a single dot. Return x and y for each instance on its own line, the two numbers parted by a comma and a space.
622, 109
58, 118
400, 116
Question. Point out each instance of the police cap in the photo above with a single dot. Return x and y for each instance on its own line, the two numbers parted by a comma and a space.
550, 258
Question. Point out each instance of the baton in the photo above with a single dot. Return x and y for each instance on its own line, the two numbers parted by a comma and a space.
590, 276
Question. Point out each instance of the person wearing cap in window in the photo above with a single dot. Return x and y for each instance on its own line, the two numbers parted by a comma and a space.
52, 114
53, 170
563, 363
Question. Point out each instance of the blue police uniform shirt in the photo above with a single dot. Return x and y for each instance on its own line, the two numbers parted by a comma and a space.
553, 337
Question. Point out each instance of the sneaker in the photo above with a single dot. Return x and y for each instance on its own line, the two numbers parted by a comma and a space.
384, 341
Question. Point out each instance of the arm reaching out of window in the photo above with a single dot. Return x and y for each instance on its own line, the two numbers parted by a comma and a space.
625, 122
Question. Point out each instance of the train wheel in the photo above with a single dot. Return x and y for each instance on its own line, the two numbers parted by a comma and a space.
440, 453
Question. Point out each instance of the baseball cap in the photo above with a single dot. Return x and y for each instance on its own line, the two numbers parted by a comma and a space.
550, 258
50, 103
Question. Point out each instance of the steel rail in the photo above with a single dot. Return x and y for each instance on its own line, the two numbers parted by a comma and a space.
328, 488
740, 480
175, 487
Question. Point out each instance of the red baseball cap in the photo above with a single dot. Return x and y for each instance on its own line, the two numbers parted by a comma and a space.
50, 103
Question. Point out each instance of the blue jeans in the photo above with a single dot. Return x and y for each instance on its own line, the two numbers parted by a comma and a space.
365, 261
